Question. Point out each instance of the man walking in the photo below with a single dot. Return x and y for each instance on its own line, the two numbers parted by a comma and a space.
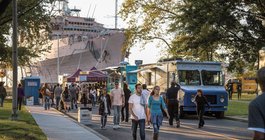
256, 116
239, 90
20, 93
117, 101
145, 95
138, 113
173, 104
72, 91
57, 93
2, 94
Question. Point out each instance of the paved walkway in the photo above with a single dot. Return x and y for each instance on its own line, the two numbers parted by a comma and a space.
57, 126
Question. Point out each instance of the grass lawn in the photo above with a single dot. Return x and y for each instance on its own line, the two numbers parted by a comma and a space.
25, 128
244, 97
237, 108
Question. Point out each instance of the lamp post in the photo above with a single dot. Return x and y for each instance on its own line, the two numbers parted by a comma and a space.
14, 60
58, 58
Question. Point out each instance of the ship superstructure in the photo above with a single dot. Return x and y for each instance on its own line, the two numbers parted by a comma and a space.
82, 44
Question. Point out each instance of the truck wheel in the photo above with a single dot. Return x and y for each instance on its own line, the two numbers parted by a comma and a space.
181, 113
220, 115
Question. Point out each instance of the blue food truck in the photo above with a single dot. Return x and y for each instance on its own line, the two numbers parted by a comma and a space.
206, 76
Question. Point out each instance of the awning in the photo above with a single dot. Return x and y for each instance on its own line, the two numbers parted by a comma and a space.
72, 78
147, 69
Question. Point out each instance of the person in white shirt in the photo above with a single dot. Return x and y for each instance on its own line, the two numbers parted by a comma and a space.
146, 94
138, 112
94, 96
117, 101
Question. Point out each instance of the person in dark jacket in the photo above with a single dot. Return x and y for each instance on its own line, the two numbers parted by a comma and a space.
201, 100
173, 104
20, 93
230, 89
104, 107
3, 94
239, 90
127, 94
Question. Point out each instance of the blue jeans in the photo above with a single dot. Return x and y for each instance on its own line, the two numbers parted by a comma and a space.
156, 128
142, 128
58, 98
73, 103
46, 102
117, 112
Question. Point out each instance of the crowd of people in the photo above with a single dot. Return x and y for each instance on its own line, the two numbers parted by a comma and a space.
66, 98
144, 107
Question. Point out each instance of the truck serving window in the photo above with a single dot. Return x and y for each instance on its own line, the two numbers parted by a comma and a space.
189, 77
211, 78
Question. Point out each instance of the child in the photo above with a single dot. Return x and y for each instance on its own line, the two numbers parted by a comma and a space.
104, 107
201, 100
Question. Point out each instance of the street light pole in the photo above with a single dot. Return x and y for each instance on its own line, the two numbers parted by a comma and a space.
14, 60
58, 58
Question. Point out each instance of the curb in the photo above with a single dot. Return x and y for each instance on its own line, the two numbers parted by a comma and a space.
84, 126
236, 119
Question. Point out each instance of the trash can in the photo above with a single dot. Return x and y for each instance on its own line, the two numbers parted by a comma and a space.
84, 115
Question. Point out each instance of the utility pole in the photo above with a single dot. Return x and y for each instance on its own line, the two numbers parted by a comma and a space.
14, 60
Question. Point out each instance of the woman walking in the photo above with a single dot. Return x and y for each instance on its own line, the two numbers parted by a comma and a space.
155, 102
127, 94
104, 107
65, 99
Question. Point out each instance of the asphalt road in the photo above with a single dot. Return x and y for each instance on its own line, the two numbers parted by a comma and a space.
214, 129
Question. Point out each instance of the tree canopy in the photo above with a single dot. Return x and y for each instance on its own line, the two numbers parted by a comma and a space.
33, 30
202, 30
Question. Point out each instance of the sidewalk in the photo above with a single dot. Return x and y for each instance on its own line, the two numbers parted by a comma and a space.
58, 126
238, 118
73, 114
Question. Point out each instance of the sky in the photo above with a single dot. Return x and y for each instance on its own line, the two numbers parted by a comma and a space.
104, 13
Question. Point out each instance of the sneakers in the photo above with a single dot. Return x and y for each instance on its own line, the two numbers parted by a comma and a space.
103, 127
178, 124
148, 127
116, 126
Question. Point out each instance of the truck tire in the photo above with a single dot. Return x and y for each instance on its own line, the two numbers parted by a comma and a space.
220, 115
181, 112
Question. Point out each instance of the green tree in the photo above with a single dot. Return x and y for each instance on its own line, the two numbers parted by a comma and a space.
33, 29
201, 29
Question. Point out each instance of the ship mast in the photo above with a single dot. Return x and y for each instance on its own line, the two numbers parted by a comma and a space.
116, 14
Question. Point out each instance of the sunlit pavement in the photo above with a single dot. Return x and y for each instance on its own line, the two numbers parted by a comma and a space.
213, 129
